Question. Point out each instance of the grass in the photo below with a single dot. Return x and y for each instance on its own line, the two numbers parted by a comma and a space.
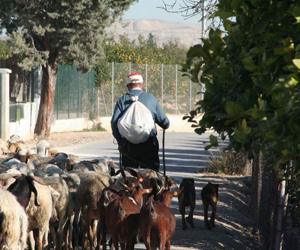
228, 162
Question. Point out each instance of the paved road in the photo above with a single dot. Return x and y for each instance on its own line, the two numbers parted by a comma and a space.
184, 152
184, 155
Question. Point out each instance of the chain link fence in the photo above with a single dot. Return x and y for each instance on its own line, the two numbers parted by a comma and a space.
176, 93
76, 94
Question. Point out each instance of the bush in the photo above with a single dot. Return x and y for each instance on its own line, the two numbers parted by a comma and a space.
229, 162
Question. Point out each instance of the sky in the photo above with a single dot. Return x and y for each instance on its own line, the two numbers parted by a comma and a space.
148, 9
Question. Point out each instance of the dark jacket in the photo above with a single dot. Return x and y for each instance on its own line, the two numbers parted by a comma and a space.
149, 101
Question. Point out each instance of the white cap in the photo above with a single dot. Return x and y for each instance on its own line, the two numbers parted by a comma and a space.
135, 78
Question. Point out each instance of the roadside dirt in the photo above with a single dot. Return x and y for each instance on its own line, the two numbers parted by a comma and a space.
234, 227
66, 139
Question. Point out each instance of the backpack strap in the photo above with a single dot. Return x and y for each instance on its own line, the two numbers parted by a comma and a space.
133, 97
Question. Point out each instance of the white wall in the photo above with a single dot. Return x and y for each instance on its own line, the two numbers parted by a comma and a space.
25, 127
68, 125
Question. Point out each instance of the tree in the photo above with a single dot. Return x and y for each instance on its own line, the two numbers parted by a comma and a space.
47, 33
191, 8
251, 75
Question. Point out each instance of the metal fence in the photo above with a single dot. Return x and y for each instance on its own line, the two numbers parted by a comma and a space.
76, 94
176, 93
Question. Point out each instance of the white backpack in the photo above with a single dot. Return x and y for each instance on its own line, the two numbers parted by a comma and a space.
136, 123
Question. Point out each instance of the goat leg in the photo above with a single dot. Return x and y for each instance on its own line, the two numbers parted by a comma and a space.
213, 215
190, 218
206, 216
168, 245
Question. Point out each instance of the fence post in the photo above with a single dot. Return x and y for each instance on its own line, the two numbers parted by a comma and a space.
78, 100
4, 104
162, 86
146, 76
98, 103
112, 88
176, 81
56, 95
190, 95
69, 91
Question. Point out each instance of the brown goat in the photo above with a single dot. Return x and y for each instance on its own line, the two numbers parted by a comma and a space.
111, 193
209, 195
121, 217
187, 198
157, 222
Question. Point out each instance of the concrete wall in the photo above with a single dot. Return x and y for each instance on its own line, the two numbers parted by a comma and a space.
25, 127
68, 125
176, 124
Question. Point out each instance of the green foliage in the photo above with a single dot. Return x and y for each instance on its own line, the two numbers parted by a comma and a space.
5, 51
65, 31
142, 51
251, 75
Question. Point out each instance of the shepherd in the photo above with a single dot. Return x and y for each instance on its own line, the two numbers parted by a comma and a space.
133, 125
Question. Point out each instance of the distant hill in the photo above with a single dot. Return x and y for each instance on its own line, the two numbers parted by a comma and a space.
187, 34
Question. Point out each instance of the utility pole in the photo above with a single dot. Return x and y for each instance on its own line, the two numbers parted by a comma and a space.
203, 20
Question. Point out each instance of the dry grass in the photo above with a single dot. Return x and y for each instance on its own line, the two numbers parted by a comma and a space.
229, 162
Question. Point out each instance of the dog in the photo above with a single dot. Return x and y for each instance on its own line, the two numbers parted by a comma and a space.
209, 195
187, 198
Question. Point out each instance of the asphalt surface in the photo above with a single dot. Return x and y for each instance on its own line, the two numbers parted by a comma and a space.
184, 152
184, 156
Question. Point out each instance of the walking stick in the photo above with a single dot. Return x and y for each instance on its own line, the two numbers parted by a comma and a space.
164, 161
120, 160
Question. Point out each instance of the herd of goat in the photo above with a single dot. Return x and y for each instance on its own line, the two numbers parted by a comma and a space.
54, 200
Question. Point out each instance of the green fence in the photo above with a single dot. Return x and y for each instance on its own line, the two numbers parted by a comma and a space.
75, 94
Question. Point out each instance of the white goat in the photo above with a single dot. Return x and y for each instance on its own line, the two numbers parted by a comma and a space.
13, 223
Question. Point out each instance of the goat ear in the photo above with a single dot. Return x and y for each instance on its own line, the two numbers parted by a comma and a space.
113, 164
33, 189
121, 211
123, 174
160, 191
178, 192
106, 199
54, 192
147, 191
124, 185
140, 177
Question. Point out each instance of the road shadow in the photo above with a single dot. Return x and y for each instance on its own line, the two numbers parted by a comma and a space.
233, 220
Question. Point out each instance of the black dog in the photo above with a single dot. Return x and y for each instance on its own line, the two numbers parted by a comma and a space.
209, 195
187, 198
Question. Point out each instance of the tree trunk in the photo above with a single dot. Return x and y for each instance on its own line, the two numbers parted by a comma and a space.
43, 123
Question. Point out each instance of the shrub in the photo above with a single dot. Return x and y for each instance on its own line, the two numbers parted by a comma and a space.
229, 162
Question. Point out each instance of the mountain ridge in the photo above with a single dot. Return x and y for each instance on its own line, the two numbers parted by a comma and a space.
186, 34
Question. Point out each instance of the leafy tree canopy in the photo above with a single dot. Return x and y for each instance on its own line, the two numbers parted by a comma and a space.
251, 75
5, 51
144, 50
50, 32
60, 31
140, 51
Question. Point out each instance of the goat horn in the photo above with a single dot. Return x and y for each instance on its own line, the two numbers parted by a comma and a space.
40, 180
113, 164
9, 175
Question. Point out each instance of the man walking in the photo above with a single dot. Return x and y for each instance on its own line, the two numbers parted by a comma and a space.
143, 154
